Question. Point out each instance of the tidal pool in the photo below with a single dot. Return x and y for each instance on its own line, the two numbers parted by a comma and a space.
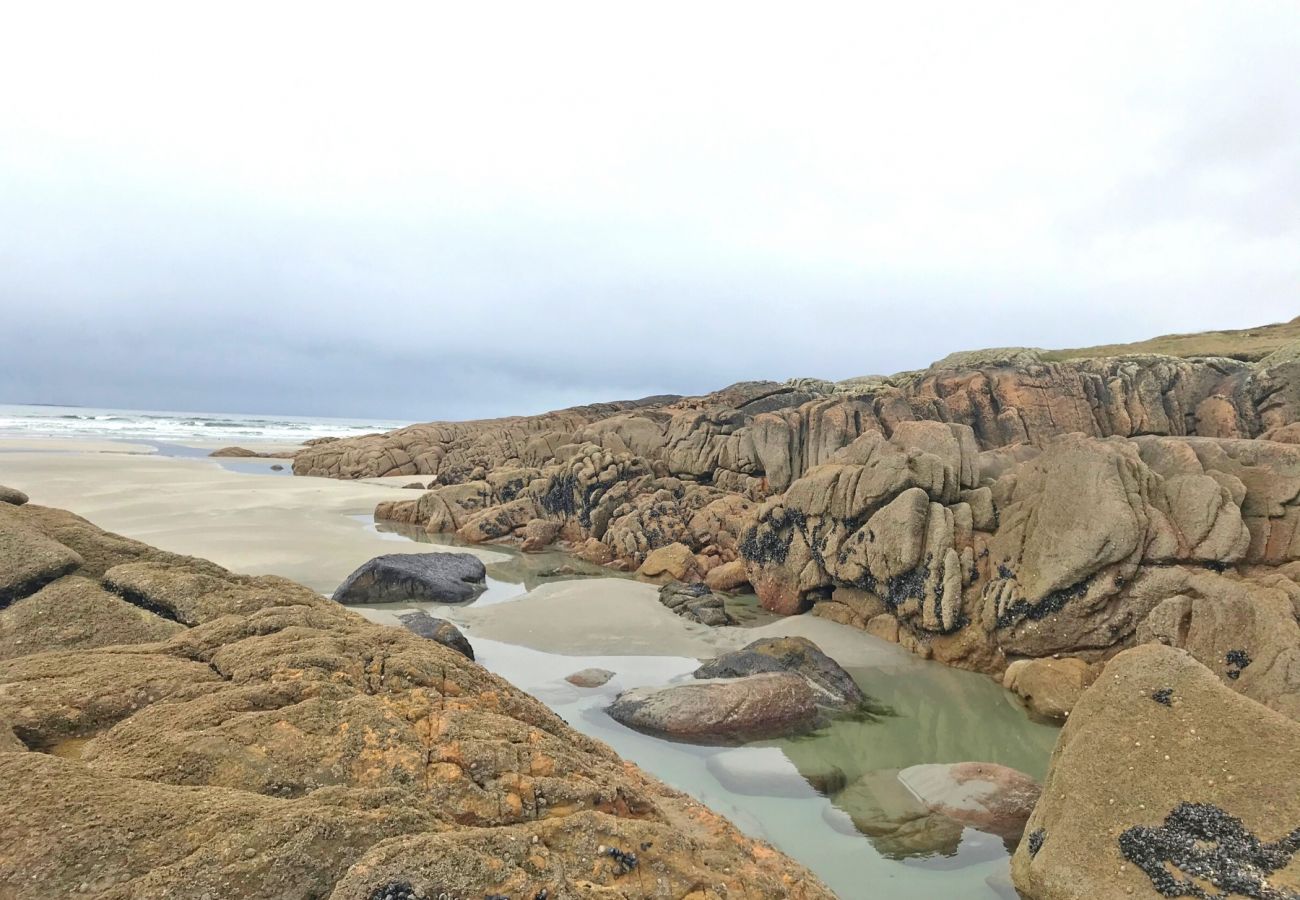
828, 799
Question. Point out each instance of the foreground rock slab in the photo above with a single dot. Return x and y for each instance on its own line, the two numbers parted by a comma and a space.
420, 577
1165, 782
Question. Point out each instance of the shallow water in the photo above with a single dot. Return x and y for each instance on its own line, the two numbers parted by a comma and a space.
801, 794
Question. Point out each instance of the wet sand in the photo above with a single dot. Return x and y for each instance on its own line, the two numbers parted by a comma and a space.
248, 522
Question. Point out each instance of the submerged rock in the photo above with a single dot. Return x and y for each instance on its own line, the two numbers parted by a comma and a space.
1166, 781
723, 710
695, 602
589, 678
834, 688
435, 629
428, 577
922, 811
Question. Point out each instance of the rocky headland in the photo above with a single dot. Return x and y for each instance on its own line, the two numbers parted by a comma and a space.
171, 729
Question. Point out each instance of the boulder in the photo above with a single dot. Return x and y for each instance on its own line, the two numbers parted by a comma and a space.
721, 711
589, 678
540, 534
414, 486
695, 602
12, 496
435, 629
728, 576
1050, 687
675, 561
833, 687
1166, 782
418, 577
593, 551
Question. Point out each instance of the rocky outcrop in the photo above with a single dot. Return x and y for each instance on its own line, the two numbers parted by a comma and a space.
251, 738
418, 577
999, 505
1166, 782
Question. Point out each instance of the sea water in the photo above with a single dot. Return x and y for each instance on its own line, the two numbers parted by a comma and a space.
19, 420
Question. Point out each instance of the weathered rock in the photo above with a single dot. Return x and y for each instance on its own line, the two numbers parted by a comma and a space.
29, 559
589, 678
834, 687
695, 602
76, 613
435, 629
729, 576
675, 561
414, 486
12, 496
428, 577
1050, 687
1165, 781
722, 710
540, 534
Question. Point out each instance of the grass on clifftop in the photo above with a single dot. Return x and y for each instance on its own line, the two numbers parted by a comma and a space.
1247, 344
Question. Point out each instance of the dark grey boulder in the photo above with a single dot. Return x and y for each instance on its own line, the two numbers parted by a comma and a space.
403, 577
12, 495
435, 629
695, 602
834, 687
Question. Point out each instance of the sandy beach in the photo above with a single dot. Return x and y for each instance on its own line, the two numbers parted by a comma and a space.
300, 528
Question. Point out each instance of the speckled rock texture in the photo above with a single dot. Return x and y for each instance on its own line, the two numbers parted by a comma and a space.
722, 711
171, 730
1165, 782
999, 505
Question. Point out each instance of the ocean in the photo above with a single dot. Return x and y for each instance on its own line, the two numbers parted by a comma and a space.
18, 420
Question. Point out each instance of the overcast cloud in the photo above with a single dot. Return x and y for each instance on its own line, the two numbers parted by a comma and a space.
460, 210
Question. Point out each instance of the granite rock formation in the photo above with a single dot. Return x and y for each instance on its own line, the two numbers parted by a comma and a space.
170, 729
1000, 505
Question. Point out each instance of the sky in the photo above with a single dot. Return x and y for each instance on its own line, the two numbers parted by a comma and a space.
446, 211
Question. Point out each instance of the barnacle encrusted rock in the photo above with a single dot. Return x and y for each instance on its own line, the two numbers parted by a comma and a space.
1196, 794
